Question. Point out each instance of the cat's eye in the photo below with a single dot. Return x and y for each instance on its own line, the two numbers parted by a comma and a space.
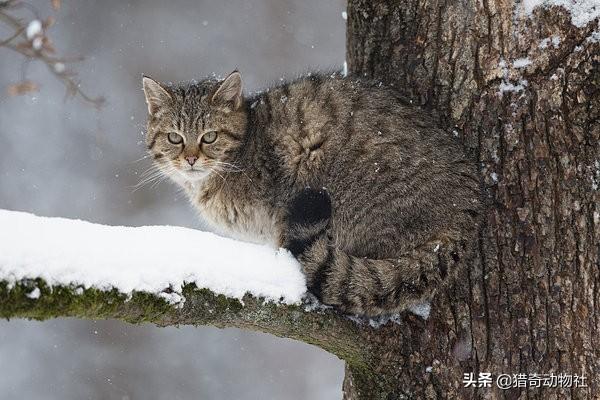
209, 137
175, 138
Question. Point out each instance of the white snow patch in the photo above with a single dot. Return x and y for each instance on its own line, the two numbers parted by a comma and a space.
422, 310
172, 298
383, 320
506, 85
494, 176
521, 62
59, 68
582, 11
345, 69
33, 29
37, 43
344, 15
428, 369
148, 258
311, 303
596, 175
553, 40
34, 294
511, 87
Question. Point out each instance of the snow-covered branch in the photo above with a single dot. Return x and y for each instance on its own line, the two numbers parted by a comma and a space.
152, 259
56, 267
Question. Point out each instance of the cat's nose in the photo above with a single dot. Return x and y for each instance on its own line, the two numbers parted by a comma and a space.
191, 159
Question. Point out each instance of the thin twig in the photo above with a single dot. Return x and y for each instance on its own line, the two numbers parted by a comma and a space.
41, 51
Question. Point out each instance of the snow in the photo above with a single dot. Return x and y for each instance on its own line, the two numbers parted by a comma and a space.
582, 11
148, 258
37, 43
521, 62
511, 87
422, 310
59, 68
506, 85
34, 294
34, 28
344, 15
554, 40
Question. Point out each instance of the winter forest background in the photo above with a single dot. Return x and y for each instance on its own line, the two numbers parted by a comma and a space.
64, 158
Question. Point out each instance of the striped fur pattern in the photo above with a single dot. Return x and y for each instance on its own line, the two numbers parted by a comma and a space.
378, 204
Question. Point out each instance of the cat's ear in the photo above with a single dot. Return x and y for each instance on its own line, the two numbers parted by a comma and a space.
229, 92
156, 95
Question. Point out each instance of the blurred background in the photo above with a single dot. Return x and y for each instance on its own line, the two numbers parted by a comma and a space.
65, 158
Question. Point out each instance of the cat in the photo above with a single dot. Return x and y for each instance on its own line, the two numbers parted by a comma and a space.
379, 205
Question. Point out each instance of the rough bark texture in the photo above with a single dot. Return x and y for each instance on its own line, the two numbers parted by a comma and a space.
530, 303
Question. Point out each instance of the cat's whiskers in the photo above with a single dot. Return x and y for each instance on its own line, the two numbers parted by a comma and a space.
231, 168
146, 178
216, 171
216, 166
154, 175
141, 159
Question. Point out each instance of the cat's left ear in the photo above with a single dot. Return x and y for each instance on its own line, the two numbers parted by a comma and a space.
229, 92
156, 95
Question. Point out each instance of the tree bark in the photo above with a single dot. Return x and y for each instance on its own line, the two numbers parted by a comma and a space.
523, 93
524, 96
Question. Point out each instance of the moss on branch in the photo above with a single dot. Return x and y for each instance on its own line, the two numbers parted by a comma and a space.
324, 328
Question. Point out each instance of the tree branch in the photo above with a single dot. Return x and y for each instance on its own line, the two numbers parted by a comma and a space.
324, 328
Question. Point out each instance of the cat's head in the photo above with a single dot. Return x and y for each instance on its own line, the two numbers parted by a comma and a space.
195, 129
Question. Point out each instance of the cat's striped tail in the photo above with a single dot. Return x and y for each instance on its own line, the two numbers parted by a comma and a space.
369, 287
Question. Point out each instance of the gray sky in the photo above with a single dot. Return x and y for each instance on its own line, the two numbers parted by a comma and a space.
64, 158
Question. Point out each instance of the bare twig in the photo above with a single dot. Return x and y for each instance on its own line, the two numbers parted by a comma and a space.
31, 41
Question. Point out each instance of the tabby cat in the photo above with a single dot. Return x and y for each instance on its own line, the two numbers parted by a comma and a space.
378, 204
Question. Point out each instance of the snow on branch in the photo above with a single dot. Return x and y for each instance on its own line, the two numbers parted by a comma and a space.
155, 259
56, 267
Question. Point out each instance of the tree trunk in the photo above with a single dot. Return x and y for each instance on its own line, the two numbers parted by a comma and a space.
523, 92
524, 96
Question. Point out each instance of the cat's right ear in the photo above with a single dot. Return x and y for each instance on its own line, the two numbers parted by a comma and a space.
156, 95
229, 91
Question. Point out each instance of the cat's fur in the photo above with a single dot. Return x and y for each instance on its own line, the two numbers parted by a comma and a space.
378, 204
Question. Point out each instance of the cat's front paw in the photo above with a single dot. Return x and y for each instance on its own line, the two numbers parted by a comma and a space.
310, 206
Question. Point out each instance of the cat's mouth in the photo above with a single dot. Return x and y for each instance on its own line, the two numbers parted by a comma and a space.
194, 174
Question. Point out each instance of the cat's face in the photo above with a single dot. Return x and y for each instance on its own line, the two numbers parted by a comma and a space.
194, 130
